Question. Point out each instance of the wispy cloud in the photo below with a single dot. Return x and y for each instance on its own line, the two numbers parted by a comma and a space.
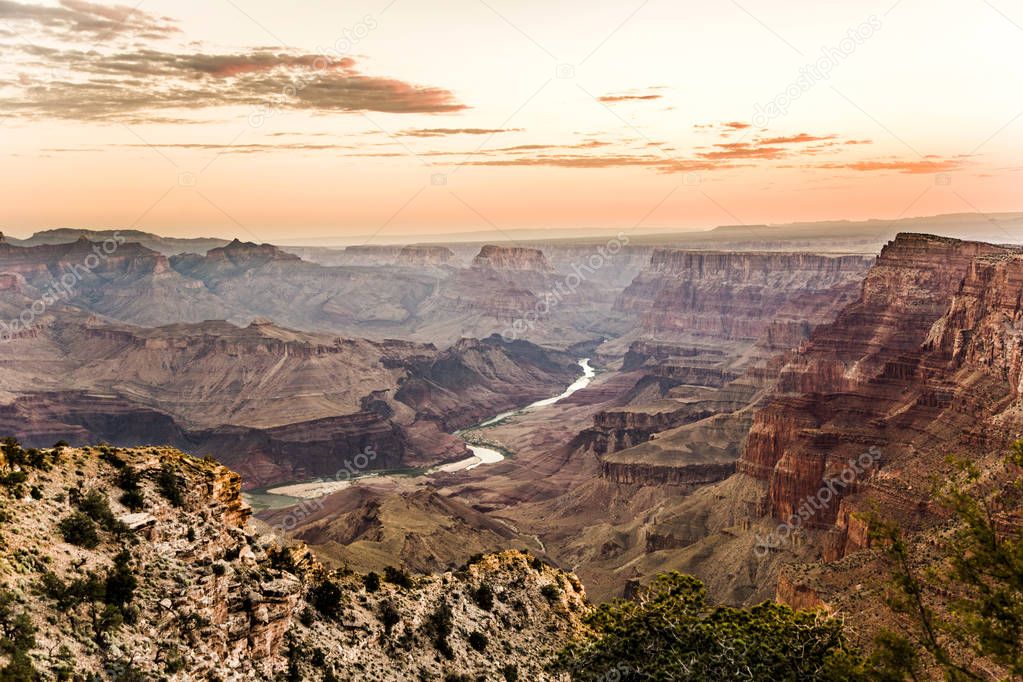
442, 132
121, 84
76, 20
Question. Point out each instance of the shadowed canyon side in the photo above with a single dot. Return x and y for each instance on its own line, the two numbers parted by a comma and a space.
274, 403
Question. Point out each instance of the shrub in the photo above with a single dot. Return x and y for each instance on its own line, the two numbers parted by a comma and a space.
325, 596
510, 672
398, 577
963, 609
372, 581
121, 581
389, 615
17, 640
439, 625
671, 633
79, 529
484, 596
128, 480
550, 592
96, 505
170, 486
478, 641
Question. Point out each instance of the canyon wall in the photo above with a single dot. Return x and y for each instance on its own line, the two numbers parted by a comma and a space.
736, 296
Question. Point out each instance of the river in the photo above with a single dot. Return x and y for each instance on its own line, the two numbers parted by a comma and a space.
484, 455
295, 493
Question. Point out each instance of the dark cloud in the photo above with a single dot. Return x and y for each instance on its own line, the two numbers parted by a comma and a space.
79, 20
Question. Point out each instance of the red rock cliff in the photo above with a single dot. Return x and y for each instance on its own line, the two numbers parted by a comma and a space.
925, 363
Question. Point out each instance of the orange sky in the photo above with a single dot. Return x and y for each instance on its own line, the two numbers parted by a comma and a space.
319, 119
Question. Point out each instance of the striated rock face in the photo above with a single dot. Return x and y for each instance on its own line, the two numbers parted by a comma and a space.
274, 403
511, 258
681, 474
924, 362
424, 255
211, 598
737, 296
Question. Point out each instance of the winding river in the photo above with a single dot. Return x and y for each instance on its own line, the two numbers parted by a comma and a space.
484, 455
295, 493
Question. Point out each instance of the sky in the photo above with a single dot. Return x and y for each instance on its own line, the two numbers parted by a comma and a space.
316, 120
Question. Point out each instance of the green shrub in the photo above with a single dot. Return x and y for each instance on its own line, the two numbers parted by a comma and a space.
550, 592
128, 480
372, 581
97, 507
79, 529
671, 632
121, 581
17, 640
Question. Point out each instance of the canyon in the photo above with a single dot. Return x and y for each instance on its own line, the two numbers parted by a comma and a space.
736, 388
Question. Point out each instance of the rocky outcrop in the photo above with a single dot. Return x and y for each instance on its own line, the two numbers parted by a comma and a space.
627, 473
511, 258
200, 592
424, 256
247, 254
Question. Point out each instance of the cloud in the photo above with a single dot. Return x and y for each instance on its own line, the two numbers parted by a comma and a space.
78, 20
924, 166
627, 98
743, 150
801, 138
735, 125
121, 84
441, 132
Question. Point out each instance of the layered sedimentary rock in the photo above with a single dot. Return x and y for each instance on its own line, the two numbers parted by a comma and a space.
276, 403
735, 296
513, 258
424, 255
877, 379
